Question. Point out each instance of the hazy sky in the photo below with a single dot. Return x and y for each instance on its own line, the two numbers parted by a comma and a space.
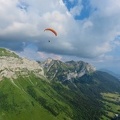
87, 30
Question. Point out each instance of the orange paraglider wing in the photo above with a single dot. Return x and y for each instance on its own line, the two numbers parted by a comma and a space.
52, 30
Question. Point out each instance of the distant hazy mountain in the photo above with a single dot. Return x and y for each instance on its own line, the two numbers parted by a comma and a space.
112, 73
52, 89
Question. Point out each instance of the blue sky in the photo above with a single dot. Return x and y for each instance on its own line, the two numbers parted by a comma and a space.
87, 30
85, 11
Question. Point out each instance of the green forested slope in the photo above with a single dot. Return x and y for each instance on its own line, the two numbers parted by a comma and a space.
34, 98
31, 98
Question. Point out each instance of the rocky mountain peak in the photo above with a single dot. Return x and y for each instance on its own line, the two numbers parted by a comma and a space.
56, 69
81, 65
49, 60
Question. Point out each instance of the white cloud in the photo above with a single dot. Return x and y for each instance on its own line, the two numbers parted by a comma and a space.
91, 37
76, 10
44, 56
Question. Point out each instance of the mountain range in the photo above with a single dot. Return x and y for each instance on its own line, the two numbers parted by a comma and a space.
53, 89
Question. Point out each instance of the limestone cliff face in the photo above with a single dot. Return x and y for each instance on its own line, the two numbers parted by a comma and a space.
12, 66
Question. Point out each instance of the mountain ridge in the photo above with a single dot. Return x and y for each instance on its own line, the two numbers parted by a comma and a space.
12, 64
52, 89
68, 69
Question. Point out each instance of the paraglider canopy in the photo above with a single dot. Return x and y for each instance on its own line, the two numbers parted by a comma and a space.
52, 30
